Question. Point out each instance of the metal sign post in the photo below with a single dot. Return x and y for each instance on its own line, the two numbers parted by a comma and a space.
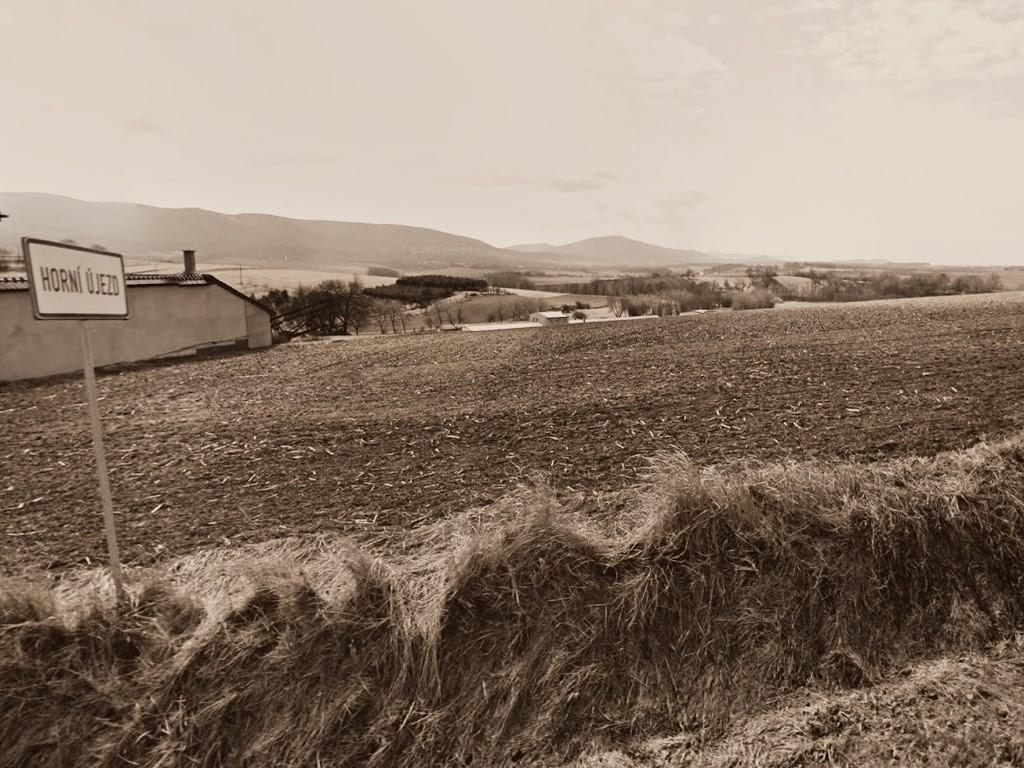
101, 462
69, 282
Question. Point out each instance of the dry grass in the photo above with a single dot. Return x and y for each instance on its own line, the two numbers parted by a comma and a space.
964, 710
536, 634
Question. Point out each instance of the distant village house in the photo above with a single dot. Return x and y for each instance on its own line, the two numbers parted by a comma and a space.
550, 318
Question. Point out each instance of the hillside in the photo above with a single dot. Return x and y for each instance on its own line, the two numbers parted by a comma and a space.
259, 239
262, 239
472, 414
615, 250
265, 240
688, 541
533, 248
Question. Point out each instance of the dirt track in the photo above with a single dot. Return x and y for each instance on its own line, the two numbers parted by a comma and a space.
397, 431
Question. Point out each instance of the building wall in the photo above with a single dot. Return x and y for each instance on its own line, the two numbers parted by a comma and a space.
257, 325
539, 317
161, 319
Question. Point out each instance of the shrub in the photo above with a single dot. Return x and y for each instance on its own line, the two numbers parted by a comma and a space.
636, 307
687, 300
756, 299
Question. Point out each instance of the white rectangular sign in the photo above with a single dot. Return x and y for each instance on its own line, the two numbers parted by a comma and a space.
68, 281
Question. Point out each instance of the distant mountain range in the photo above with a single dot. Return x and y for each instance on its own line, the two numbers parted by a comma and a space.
260, 239
145, 231
614, 250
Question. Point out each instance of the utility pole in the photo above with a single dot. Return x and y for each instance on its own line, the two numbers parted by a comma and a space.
3, 265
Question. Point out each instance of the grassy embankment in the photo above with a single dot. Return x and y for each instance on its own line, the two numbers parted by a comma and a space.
538, 632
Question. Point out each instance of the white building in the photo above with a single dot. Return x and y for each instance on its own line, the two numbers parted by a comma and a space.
167, 314
550, 318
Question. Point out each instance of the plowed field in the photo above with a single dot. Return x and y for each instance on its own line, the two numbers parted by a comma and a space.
397, 431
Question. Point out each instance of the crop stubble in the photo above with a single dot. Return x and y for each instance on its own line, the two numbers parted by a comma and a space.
399, 431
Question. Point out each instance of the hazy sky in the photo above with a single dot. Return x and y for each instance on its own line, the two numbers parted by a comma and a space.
814, 128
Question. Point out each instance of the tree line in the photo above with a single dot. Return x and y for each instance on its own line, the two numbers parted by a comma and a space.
336, 307
669, 294
333, 307
423, 290
833, 286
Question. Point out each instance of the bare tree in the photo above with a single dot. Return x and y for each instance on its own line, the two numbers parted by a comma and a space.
438, 318
763, 277
392, 310
379, 312
354, 307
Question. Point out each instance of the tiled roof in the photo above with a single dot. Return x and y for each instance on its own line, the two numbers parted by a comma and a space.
20, 283
551, 314
13, 284
182, 278
140, 279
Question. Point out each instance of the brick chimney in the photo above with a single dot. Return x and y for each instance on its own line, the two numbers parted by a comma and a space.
190, 262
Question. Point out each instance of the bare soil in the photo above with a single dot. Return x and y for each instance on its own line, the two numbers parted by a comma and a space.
388, 432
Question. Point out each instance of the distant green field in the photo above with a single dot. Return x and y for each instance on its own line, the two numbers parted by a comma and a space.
485, 308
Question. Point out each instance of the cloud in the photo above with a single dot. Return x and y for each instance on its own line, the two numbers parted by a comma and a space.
1002, 10
660, 65
662, 211
293, 159
142, 125
554, 184
924, 41
676, 208
575, 185
690, 198
644, 52
800, 8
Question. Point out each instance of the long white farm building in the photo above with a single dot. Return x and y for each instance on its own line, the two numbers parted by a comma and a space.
167, 314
